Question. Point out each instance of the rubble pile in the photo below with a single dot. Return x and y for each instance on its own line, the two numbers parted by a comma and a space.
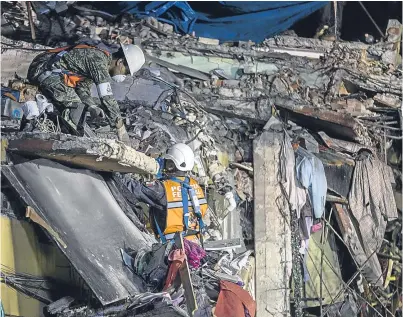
303, 131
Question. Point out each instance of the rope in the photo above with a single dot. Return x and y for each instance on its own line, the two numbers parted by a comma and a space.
46, 125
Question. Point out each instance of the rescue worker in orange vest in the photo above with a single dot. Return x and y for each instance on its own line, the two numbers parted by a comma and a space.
177, 202
65, 76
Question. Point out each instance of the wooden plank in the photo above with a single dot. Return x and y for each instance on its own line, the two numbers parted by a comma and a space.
272, 231
33, 215
184, 273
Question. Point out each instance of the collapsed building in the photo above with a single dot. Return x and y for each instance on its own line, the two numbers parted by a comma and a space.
298, 147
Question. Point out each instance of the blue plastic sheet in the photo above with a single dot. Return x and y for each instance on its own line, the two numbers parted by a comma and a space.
237, 21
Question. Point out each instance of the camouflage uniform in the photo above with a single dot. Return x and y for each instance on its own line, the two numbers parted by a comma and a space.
91, 63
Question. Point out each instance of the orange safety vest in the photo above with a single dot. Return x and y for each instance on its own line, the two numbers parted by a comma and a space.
71, 79
174, 216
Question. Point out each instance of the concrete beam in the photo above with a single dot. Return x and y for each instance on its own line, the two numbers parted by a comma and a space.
301, 43
92, 153
258, 112
335, 124
272, 230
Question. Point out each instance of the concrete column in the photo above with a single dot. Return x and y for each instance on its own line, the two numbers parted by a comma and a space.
272, 229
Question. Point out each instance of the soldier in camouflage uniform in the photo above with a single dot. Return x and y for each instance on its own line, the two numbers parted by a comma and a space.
65, 76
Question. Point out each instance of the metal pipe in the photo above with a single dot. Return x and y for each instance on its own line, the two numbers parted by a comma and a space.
322, 251
393, 137
372, 20
31, 21
380, 126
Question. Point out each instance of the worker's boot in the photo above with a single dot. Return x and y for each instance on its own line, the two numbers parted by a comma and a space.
74, 116
122, 133
29, 125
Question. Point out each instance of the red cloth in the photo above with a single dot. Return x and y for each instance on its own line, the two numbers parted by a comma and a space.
177, 257
232, 300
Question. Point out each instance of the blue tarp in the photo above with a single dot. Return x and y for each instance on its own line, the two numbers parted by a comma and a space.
225, 20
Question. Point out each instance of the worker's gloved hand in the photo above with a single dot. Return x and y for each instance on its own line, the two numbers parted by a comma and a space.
96, 113
122, 133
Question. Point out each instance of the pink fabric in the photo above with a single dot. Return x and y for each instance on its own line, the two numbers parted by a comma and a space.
316, 228
194, 253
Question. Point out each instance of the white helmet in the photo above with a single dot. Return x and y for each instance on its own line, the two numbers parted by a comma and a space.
182, 156
134, 57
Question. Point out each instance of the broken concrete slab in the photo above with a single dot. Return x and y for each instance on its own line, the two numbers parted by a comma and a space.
335, 124
272, 229
206, 64
15, 61
293, 52
257, 111
311, 43
92, 153
388, 100
209, 41
78, 206
343, 146
179, 67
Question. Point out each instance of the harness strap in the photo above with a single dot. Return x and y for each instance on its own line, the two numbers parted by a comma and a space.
185, 201
61, 51
185, 190
160, 233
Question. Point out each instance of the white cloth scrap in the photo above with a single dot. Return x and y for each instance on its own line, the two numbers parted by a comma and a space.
30, 109
296, 193
43, 104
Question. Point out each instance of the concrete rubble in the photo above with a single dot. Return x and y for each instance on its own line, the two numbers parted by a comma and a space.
286, 128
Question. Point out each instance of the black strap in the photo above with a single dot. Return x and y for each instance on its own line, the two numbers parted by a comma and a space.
57, 57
